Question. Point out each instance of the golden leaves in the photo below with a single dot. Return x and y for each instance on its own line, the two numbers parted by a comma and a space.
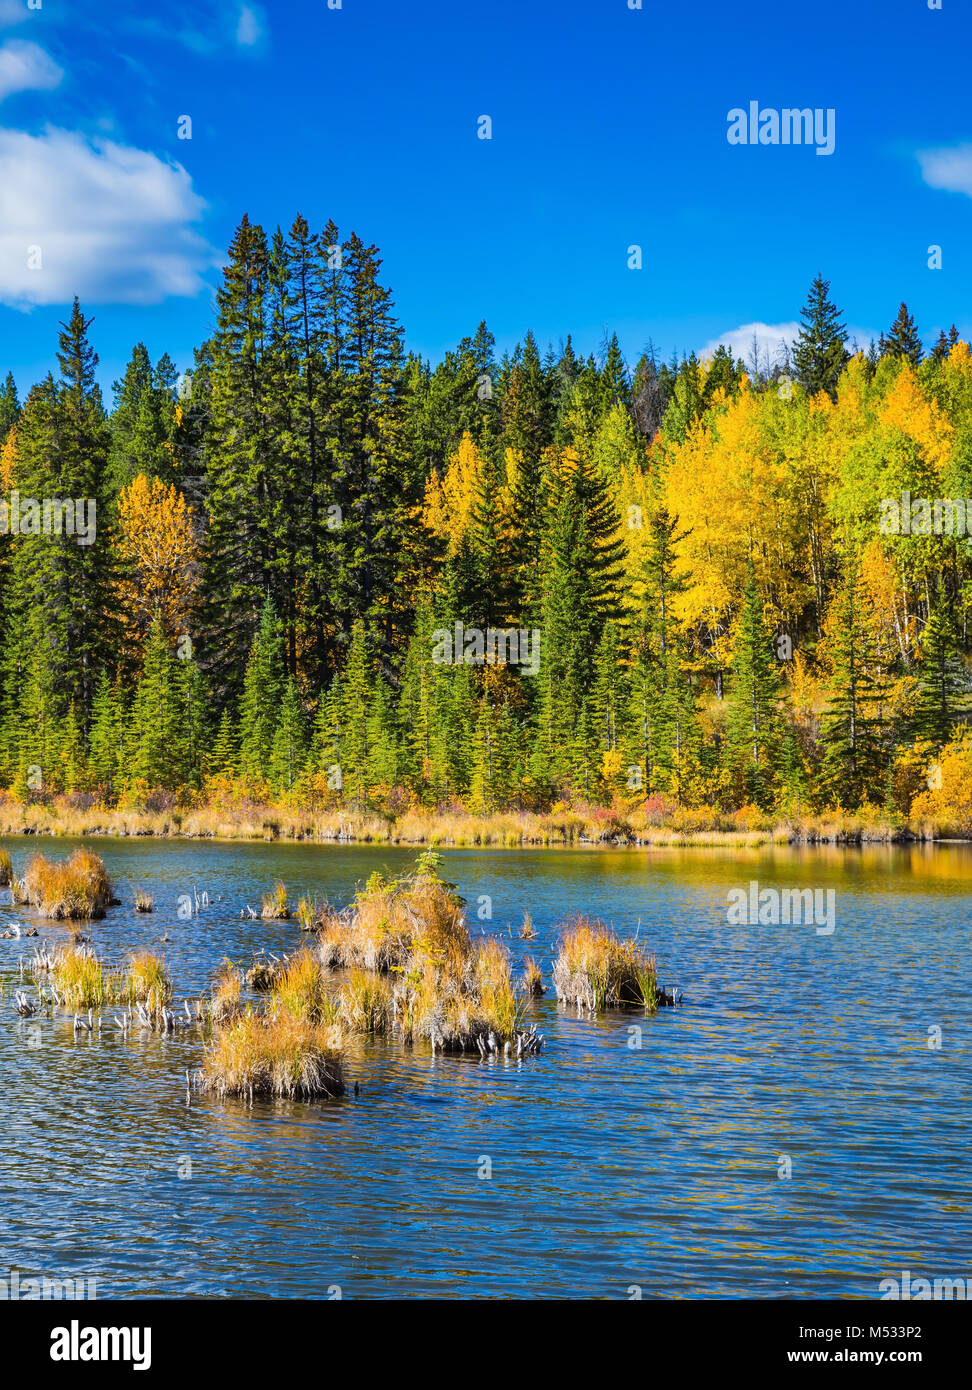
159, 557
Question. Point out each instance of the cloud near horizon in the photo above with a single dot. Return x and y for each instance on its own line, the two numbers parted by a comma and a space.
740, 340
108, 222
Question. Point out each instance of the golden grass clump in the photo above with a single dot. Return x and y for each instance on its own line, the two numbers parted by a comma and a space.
78, 888
6, 868
594, 968
310, 913
532, 984
492, 987
144, 902
274, 1055
81, 981
225, 1000
365, 1002
275, 908
147, 982
527, 931
300, 989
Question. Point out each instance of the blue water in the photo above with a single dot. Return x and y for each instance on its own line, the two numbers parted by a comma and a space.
613, 1166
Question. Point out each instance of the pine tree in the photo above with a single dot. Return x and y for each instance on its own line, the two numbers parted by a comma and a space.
753, 725
9, 406
224, 758
820, 350
942, 672
260, 701
853, 731
155, 747
902, 338
289, 742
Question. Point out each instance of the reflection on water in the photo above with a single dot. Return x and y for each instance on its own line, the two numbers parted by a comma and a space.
634, 1151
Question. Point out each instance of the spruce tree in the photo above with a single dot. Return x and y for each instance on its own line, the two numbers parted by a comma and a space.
853, 732
902, 338
260, 701
942, 672
820, 350
753, 725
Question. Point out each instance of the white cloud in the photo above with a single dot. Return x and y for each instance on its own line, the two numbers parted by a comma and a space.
25, 67
770, 335
740, 340
249, 30
950, 169
112, 223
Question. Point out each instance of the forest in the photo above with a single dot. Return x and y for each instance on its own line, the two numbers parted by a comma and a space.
289, 527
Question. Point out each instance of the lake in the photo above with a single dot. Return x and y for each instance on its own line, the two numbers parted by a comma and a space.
635, 1153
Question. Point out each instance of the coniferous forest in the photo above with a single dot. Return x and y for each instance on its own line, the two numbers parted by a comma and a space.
327, 575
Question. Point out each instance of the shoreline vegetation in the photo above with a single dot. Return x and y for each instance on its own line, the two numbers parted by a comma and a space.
339, 594
570, 827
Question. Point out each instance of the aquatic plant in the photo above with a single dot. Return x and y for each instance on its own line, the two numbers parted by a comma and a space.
78, 888
6, 868
274, 907
262, 975
299, 988
225, 1000
147, 982
274, 1055
532, 983
597, 970
80, 980
527, 931
144, 902
365, 1002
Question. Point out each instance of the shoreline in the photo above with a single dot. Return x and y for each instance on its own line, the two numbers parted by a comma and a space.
516, 830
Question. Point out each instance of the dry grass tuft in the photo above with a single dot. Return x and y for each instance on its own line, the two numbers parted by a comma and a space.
274, 1055
80, 980
275, 908
78, 889
227, 994
532, 984
595, 969
147, 982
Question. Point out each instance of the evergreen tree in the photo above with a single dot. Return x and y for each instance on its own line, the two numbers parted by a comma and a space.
9, 406
902, 338
853, 732
260, 701
753, 726
820, 350
942, 672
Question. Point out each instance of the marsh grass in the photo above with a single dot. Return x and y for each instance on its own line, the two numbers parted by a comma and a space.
80, 979
532, 983
300, 988
365, 1002
144, 902
77, 888
274, 1055
595, 969
225, 1000
274, 907
147, 982
6, 869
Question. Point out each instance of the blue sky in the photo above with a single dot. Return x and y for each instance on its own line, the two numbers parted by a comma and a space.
609, 129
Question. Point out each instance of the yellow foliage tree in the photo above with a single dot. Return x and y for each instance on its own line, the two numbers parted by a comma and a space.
159, 559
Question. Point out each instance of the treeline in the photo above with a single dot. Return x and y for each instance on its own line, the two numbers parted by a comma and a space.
691, 554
